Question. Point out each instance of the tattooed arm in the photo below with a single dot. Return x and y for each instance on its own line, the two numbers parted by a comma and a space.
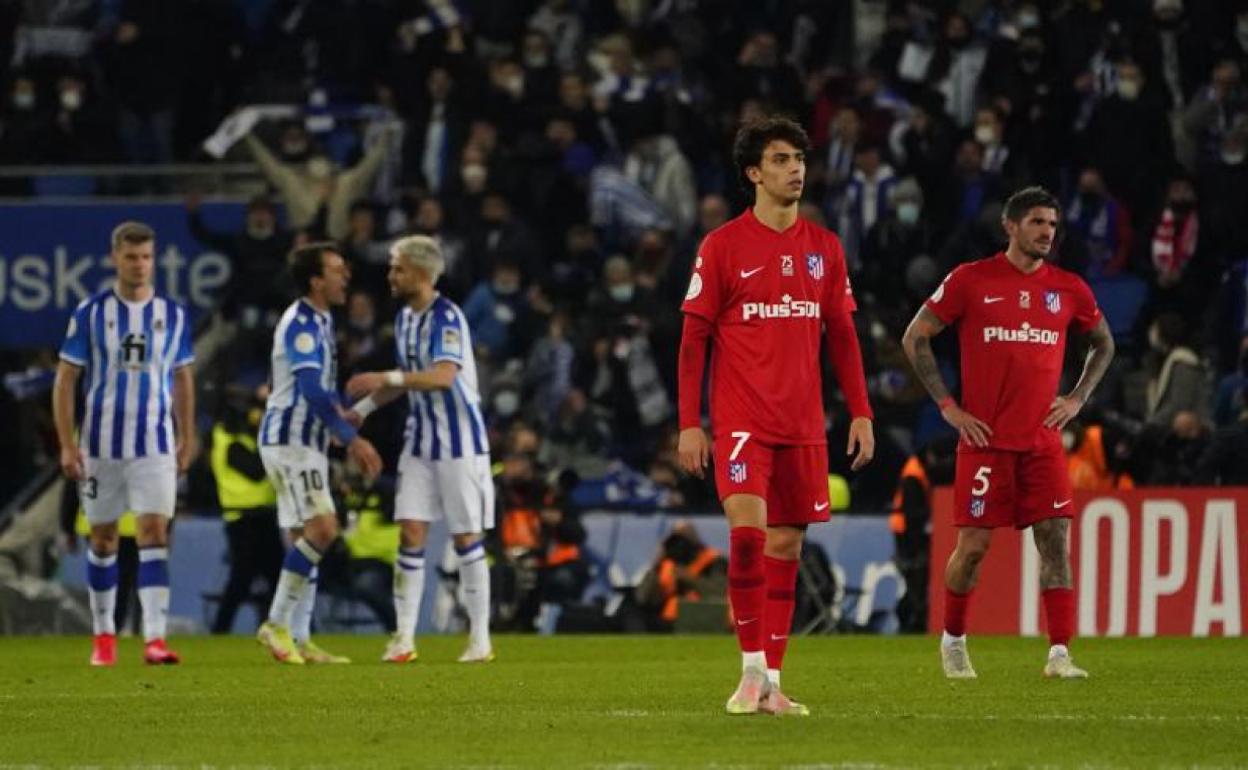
1100, 353
917, 342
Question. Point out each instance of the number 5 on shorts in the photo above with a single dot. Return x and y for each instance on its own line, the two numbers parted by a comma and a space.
741, 437
981, 481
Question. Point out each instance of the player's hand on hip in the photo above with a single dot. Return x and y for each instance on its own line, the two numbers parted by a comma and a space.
365, 456
365, 384
1063, 410
71, 463
694, 451
973, 430
861, 440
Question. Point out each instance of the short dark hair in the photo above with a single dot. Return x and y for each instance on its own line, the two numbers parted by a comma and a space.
308, 262
753, 138
133, 233
1029, 198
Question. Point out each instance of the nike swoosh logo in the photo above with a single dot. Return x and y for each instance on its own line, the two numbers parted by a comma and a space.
775, 638
820, 506
990, 300
1062, 504
748, 273
746, 622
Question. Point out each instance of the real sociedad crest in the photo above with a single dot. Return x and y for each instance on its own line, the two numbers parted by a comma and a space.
814, 265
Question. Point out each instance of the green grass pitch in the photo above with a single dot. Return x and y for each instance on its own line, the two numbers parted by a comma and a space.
625, 702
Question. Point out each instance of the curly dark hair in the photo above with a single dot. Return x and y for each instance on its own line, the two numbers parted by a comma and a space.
1029, 198
753, 138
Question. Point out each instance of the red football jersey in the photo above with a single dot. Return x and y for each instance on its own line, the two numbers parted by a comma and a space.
1012, 336
767, 294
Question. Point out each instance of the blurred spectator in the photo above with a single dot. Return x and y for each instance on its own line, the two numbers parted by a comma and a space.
368, 255
578, 439
685, 571
499, 235
430, 219
989, 131
436, 133
1181, 383
923, 144
143, 45
1177, 254
657, 165
760, 72
361, 340
867, 200
1229, 399
911, 524
316, 188
79, 130
1134, 162
548, 372
561, 25
257, 260
952, 67
1098, 234
1225, 460
964, 194
1223, 186
1172, 451
23, 123
1094, 461
1217, 109
248, 507
903, 234
498, 313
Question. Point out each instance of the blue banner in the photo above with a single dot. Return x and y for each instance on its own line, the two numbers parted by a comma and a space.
53, 256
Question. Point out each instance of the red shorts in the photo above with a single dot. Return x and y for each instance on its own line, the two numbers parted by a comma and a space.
792, 479
995, 488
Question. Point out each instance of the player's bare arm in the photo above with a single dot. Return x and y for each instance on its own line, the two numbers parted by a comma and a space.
184, 416
1100, 353
63, 389
440, 376
917, 342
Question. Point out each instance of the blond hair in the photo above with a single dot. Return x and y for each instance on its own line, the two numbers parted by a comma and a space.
131, 232
423, 252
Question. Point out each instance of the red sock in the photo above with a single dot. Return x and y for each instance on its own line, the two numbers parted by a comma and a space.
747, 586
1059, 611
778, 614
955, 612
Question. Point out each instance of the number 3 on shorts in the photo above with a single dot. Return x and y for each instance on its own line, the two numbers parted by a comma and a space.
981, 481
741, 437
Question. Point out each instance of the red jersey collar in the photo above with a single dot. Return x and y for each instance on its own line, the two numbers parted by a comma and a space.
1005, 261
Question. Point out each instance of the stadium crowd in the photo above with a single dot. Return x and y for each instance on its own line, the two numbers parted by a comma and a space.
570, 155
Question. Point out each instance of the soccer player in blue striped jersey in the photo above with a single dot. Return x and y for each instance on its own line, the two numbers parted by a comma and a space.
302, 415
134, 348
444, 469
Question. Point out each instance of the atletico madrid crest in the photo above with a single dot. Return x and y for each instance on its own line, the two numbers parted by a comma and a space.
977, 507
814, 265
1053, 302
736, 472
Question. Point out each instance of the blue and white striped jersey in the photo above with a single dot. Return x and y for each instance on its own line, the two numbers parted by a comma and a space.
304, 339
441, 425
128, 351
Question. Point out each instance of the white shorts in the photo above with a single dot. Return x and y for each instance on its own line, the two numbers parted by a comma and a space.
301, 477
140, 485
459, 490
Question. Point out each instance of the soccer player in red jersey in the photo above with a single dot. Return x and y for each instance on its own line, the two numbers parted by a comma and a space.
1012, 311
764, 288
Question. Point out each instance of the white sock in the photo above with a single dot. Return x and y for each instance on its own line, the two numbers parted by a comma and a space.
947, 639
102, 582
300, 562
474, 581
154, 591
1058, 651
773, 676
301, 618
409, 588
756, 660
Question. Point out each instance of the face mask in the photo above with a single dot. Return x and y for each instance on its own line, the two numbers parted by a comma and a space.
513, 85
506, 403
24, 100
1028, 20
1233, 158
294, 149
505, 288
622, 293
985, 134
536, 60
1129, 89
908, 213
71, 100
473, 174
260, 231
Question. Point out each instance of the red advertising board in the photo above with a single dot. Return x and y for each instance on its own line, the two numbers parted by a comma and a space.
1147, 562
